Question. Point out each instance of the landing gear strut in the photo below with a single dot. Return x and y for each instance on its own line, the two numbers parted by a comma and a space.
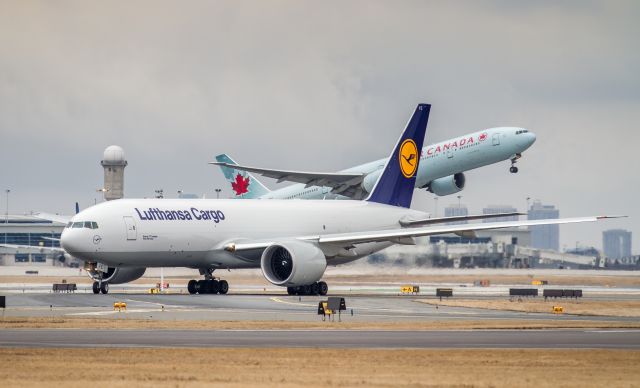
513, 169
209, 285
318, 288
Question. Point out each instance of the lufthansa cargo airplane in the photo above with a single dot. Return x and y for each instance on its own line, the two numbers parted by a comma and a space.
292, 242
441, 171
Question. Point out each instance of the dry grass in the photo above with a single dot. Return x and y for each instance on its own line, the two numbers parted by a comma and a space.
624, 308
318, 367
495, 279
244, 278
95, 323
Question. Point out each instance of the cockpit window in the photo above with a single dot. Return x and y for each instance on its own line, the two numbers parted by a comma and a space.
521, 131
83, 224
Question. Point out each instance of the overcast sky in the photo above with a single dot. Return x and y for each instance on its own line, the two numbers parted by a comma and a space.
320, 86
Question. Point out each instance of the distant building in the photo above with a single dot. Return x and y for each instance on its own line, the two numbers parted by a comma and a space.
26, 230
544, 236
188, 196
455, 211
616, 243
494, 209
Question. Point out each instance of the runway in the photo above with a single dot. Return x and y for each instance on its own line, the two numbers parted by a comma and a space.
257, 307
546, 339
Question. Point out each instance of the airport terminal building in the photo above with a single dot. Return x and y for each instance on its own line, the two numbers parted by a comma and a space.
29, 230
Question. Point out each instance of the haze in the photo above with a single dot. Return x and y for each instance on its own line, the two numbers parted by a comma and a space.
321, 87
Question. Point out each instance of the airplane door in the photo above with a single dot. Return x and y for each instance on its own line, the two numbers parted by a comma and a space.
132, 233
496, 139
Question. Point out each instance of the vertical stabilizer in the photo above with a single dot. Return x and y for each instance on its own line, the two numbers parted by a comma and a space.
242, 184
396, 183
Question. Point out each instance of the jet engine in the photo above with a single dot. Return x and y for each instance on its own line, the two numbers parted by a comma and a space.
447, 185
370, 180
293, 263
119, 275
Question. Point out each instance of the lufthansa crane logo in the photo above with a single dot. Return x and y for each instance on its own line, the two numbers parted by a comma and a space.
408, 158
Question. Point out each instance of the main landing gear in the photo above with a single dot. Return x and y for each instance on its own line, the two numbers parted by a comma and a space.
212, 286
209, 285
513, 169
318, 288
99, 287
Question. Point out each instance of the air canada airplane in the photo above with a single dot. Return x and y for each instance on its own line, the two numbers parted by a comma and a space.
441, 171
292, 242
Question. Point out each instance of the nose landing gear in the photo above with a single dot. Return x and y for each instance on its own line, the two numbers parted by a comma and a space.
100, 286
513, 169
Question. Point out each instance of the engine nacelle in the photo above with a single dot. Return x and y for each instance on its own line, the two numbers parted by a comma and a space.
370, 180
293, 263
119, 275
447, 185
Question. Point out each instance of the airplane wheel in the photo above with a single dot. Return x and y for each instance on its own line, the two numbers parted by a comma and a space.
224, 287
104, 288
513, 169
214, 286
96, 287
315, 289
201, 287
207, 287
306, 290
323, 288
191, 286
291, 290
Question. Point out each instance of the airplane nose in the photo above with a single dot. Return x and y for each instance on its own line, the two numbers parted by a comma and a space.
68, 242
529, 138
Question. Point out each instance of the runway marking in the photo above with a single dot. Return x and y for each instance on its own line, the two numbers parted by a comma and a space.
275, 299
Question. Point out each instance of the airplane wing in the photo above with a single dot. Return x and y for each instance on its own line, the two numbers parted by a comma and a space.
443, 220
53, 217
32, 247
405, 235
347, 184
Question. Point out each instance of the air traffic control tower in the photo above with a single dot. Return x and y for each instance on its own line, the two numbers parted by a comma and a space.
113, 163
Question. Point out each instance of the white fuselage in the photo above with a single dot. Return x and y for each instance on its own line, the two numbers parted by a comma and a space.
439, 160
193, 233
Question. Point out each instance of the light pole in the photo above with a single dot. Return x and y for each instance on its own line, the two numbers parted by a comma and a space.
218, 193
435, 200
6, 216
459, 204
528, 199
179, 193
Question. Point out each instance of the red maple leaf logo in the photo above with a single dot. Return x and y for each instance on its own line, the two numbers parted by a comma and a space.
483, 137
241, 185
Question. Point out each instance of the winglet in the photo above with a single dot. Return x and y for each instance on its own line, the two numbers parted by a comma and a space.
395, 184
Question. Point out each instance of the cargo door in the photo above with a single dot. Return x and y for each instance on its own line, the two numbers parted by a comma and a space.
130, 224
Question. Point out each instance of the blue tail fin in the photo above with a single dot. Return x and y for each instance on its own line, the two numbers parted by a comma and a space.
243, 184
395, 184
